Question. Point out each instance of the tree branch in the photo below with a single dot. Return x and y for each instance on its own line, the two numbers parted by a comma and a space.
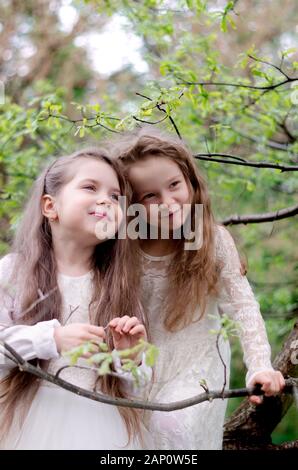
242, 161
261, 218
140, 404
240, 85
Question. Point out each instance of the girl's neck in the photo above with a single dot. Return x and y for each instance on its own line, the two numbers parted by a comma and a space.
159, 247
71, 259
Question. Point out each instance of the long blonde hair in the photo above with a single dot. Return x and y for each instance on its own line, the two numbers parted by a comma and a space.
115, 289
193, 274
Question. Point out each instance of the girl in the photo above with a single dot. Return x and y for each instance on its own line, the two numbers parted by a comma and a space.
186, 290
62, 241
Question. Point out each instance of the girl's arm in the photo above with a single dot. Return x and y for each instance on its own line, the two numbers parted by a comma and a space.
237, 300
29, 342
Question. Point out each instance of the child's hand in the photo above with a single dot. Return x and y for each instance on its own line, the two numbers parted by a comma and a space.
71, 336
127, 331
272, 383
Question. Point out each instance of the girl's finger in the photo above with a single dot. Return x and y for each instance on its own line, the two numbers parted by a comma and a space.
282, 381
255, 399
133, 321
273, 387
115, 335
121, 323
278, 384
137, 330
114, 322
96, 330
266, 384
93, 338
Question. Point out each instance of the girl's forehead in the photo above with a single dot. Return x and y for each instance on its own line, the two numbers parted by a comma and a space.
153, 170
93, 169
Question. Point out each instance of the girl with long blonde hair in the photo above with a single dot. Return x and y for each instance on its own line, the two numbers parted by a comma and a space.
66, 246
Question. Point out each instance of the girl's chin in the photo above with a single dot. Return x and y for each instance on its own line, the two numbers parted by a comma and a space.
176, 221
105, 230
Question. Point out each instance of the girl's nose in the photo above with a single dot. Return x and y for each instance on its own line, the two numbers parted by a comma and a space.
103, 199
166, 201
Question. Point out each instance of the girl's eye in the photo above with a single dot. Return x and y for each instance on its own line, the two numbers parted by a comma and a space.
175, 183
90, 187
148, 196
115, 197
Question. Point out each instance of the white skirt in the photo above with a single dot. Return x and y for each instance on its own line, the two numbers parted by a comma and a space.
61, 420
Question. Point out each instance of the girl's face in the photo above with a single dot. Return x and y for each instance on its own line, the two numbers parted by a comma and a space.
87, 206
159, 184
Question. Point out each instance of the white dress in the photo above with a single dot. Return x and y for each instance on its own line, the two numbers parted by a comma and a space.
57, 418
190, 355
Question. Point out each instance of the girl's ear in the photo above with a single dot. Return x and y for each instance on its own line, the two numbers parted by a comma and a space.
48, 207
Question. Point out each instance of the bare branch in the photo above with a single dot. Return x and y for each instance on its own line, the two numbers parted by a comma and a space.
273, 144
261, 218
241, 161
149, 122
278, 68
71, 312
158, 106
140, 404
240, 85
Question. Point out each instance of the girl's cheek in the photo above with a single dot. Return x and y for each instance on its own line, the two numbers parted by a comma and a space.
119, 216
187, 196
151, 213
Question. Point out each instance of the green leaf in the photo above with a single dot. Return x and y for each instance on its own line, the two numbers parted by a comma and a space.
99, 357
289, 51
105, 367
151, 355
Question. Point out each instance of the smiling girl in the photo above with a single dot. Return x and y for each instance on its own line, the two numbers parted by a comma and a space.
186, 291
65, 246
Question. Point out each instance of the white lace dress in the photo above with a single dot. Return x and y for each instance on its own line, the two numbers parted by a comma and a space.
57, 418
189, 355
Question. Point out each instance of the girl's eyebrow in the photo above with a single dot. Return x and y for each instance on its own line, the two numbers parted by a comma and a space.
173, 178
167, 181
91, 180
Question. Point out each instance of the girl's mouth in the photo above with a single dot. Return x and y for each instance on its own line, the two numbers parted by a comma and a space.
169, 213
100, 215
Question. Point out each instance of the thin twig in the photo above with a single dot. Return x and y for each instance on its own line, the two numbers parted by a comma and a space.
241, 161
222, 361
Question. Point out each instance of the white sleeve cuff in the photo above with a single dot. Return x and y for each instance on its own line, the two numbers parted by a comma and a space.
44, 342
36, 341
144, 373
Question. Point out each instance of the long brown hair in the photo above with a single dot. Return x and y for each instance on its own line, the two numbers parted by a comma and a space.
193, 274
115, 289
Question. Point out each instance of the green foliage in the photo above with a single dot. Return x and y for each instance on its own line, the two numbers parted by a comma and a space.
228, 327
98, 357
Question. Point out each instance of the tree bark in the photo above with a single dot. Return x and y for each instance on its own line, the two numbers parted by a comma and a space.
250, 426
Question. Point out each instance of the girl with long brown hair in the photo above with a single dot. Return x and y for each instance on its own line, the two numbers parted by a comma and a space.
66, 254
190, 279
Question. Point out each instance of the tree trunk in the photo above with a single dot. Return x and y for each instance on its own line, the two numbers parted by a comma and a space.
250, 426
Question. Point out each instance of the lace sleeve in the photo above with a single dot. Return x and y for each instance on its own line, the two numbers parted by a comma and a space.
237, 300
28, 341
